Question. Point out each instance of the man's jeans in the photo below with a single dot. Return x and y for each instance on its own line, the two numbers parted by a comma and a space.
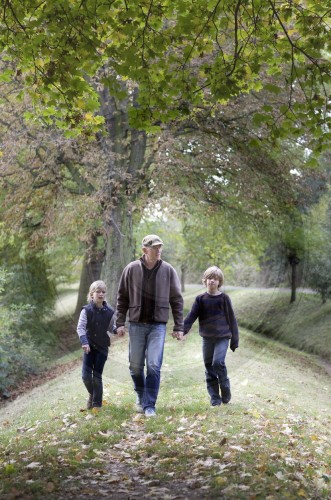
214, 351
93, 364
146, 343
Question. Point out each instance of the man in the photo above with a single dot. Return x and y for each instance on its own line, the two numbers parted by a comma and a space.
147, 287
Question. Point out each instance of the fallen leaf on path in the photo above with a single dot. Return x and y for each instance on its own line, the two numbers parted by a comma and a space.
105, 434
138, 417
253, 412
279, 475
50, 487
33, 465
113, 479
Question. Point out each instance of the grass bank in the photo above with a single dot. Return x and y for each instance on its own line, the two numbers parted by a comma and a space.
271, 441
305, 324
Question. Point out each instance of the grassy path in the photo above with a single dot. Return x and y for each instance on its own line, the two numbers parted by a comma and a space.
272, 441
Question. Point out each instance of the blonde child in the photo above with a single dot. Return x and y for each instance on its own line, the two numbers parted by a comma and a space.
92, 329
217, 326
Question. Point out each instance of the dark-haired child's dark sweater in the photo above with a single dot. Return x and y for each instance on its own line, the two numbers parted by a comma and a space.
216, 318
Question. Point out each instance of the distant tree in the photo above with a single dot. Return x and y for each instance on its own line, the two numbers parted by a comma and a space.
226, 239
319, 264
294, 243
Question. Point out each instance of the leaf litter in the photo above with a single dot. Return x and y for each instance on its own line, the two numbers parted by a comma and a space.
255, 448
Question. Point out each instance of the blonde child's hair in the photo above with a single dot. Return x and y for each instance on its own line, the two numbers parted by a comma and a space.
94, 286
213, 272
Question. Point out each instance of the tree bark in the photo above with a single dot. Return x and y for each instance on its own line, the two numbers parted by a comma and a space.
91, 271
125, 150
294, 261
127, 159
183, 276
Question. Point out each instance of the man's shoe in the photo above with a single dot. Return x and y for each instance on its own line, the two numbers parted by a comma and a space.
89, 402
150, 412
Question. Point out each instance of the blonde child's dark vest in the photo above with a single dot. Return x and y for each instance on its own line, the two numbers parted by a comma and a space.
97, 325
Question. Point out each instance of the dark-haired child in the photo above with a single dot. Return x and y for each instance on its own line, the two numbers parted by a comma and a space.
217, 327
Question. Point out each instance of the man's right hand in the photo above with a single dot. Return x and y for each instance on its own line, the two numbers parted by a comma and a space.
178, 335
120, 331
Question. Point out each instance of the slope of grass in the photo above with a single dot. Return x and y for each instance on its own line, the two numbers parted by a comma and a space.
271, 441
304, 324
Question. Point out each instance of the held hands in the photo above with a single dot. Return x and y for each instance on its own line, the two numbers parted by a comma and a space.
178, 335
121, 331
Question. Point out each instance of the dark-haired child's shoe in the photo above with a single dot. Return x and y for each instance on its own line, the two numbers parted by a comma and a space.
215, 400
226, 393
89, 402
215, 405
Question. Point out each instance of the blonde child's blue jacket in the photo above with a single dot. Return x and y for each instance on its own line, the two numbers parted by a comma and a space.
216, 318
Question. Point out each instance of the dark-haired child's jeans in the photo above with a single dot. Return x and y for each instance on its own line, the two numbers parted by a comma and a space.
146, 344
214, 352
93, 364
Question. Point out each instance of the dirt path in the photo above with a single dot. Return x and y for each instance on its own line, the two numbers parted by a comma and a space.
271, 438
121, 481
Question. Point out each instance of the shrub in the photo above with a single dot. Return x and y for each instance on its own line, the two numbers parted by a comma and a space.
19, 354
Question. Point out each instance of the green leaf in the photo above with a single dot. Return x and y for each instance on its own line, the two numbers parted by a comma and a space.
270, 87
259, 119
254, 143
6, 75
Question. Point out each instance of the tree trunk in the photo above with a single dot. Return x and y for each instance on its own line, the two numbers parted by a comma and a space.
91, 271
294, 261
125, 150
324, 296
119, 250
183, 276
126, 161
